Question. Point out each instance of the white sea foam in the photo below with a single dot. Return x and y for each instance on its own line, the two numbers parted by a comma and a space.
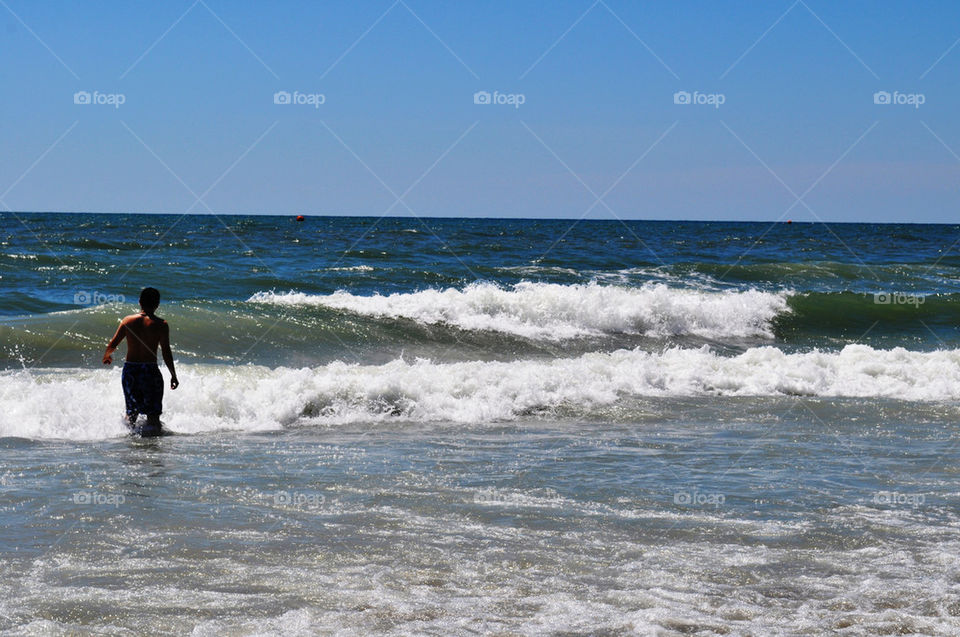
554, 312
88, 403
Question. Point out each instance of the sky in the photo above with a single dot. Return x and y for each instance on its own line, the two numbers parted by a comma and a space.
809, 110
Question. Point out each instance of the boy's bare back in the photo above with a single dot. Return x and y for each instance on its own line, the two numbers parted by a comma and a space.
144, 334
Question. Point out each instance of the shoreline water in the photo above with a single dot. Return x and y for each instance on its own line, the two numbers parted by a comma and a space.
663, 527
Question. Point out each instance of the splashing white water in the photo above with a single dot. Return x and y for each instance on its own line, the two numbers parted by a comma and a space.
550, 311
87, 404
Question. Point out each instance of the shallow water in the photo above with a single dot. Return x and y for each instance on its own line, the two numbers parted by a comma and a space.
792, 518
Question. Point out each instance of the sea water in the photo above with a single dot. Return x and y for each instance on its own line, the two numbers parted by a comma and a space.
444, 426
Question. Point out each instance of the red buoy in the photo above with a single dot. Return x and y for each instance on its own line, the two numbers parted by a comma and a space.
299, 217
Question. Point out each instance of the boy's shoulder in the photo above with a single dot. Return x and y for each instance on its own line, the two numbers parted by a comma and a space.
139, 317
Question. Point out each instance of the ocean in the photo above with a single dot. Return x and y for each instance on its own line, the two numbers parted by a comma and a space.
483, 426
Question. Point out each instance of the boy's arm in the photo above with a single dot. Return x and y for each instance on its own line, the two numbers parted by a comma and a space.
114, 342
168, 355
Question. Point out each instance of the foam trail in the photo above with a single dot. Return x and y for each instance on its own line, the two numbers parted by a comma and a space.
555, 312
88, 403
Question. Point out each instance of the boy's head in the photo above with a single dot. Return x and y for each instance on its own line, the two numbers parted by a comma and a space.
149, 299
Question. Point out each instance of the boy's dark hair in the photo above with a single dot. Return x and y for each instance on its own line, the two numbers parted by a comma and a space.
150, 298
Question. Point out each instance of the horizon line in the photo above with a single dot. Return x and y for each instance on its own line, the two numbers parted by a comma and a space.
391, 216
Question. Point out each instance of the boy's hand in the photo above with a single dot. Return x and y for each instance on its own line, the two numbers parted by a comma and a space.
107, 359
174, 383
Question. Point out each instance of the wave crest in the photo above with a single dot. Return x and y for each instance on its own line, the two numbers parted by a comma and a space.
81, 403
549, 311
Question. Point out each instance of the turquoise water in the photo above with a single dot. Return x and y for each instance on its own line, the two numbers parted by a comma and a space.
482, 426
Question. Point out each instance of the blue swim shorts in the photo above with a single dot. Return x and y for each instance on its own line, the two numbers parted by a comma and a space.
142, 389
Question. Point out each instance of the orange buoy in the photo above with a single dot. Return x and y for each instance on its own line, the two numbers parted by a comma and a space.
300, 217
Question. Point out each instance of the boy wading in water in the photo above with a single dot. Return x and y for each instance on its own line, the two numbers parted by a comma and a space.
142, 382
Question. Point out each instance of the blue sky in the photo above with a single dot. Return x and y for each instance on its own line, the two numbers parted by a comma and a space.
798, 134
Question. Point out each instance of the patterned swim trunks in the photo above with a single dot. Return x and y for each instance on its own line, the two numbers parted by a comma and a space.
142, 389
